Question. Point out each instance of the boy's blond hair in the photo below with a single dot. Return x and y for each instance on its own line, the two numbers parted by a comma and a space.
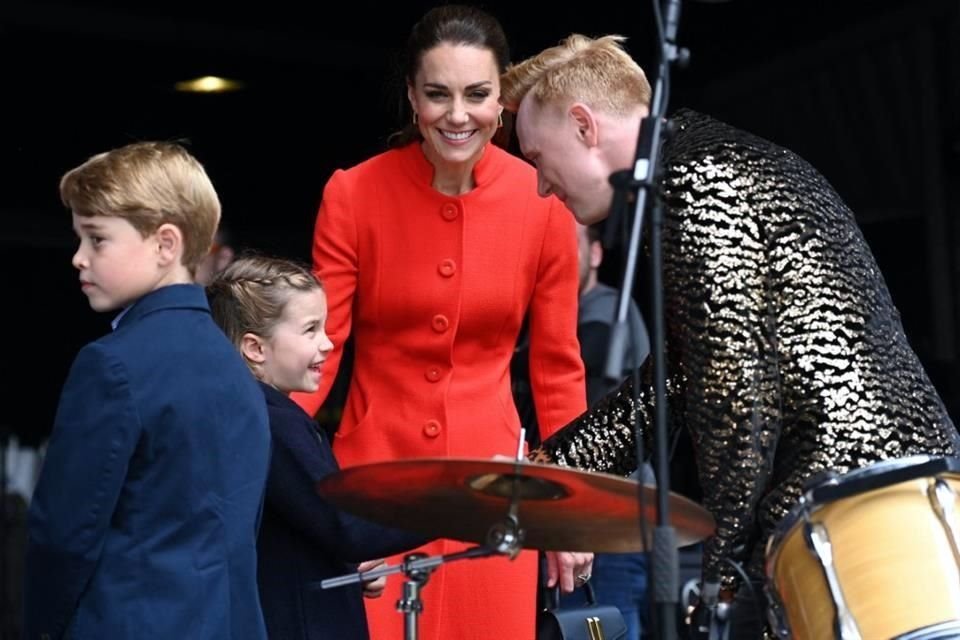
148, 184
597, 72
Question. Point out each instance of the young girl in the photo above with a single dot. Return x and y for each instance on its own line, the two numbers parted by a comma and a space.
274, 311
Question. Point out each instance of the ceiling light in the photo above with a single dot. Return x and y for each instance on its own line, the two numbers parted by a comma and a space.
208, 84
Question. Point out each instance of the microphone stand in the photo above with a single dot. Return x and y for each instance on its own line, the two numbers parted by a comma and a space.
417, 567
503, 538
634, 186
5, 519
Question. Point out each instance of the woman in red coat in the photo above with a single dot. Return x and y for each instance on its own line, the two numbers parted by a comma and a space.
431, 254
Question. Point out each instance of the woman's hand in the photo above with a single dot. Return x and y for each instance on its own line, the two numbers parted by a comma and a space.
569, 569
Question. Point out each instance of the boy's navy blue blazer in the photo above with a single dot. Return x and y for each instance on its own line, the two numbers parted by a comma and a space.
305, 539
144, 521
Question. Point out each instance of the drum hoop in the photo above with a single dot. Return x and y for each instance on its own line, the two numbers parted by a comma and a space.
878, 475
942, 631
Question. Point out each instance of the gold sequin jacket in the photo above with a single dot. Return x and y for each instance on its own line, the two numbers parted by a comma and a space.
785, 353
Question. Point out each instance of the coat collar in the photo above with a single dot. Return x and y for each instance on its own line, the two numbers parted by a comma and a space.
275, 397
174, 296
491, 163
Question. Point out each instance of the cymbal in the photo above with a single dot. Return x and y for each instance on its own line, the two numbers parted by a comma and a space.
558, 508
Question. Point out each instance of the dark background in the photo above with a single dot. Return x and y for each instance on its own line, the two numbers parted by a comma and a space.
868, 91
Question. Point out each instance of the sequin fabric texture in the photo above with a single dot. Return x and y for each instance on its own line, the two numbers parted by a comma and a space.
786, 356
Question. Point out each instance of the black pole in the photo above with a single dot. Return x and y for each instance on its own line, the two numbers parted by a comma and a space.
640, 182
6, 598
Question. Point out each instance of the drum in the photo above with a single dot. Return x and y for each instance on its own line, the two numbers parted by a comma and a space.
871, 554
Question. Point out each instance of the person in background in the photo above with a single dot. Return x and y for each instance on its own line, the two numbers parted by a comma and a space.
222, 253
619, 579
597, 312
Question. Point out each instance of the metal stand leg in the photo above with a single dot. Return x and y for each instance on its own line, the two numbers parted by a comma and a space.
410, 604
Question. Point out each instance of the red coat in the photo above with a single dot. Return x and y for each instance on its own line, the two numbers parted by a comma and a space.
434, 289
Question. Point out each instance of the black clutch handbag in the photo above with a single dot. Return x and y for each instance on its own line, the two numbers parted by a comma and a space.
590, 622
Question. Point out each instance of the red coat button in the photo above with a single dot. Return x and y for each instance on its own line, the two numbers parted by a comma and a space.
440, 323
431, 428
432, 374
449, 211
447, 268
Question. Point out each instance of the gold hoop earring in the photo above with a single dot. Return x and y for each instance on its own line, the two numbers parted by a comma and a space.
500, 119
416, 118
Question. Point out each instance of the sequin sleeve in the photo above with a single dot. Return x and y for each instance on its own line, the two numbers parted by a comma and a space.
601, 439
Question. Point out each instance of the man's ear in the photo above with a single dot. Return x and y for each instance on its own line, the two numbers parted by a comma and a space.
252, 348
586, 123
169, 243
596, 254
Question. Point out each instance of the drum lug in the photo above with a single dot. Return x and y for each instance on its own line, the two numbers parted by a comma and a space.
819, 541
943, 500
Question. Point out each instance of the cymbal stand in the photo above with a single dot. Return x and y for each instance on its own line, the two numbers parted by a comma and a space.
503, 539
